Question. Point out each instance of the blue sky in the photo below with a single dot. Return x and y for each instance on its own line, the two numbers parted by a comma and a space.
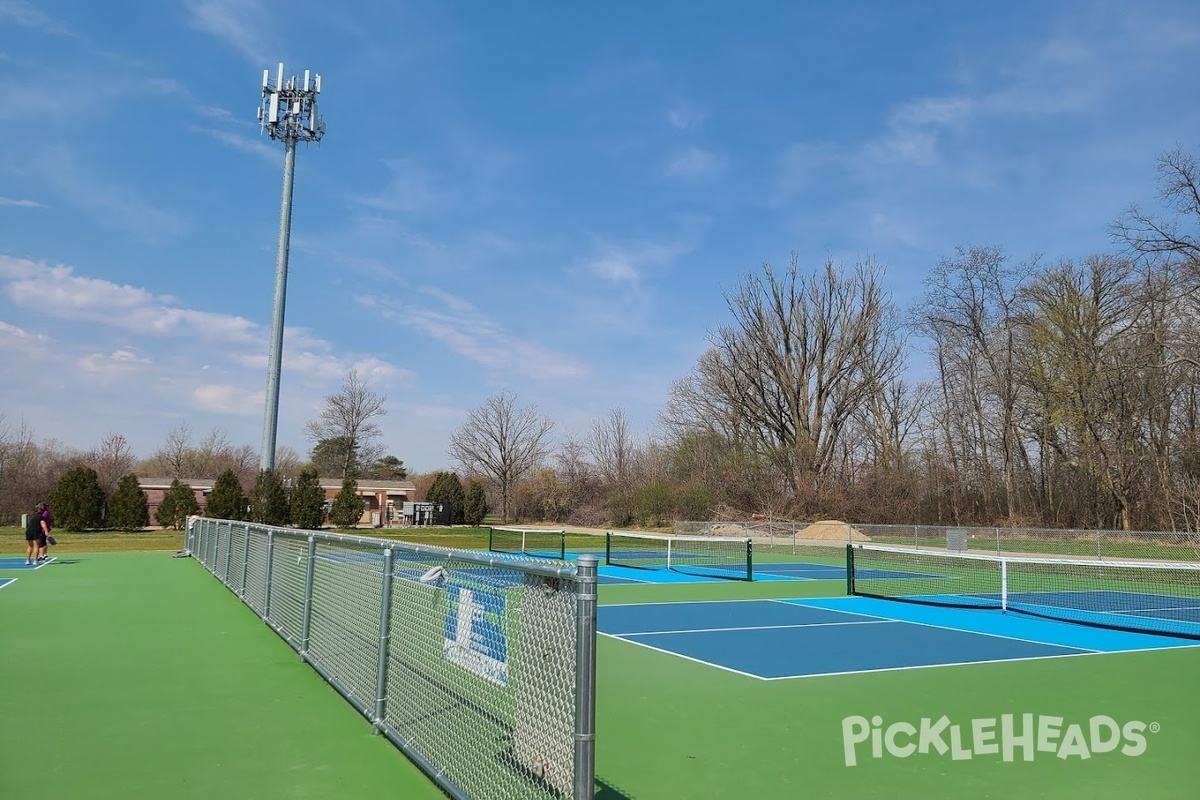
546, 198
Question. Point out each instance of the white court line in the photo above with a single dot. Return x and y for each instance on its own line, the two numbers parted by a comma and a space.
627, 579
681, 655
800, 601
762, 627
986, 633
932, 666
6, 581
694, 602
1138, 610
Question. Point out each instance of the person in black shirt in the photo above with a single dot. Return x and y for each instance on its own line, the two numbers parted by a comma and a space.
36, 531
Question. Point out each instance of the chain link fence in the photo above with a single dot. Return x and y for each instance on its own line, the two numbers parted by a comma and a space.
820, 541
479, 666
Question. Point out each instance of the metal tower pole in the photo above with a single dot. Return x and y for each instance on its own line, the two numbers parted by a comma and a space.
288, 113
275, 358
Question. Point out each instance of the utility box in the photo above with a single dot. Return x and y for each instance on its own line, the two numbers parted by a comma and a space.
956, 539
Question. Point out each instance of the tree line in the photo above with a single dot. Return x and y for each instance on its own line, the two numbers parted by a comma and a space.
1057, 392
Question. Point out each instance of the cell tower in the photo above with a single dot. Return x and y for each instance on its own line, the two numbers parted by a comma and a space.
288, 113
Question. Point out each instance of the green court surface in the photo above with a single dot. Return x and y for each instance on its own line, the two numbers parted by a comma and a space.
136, 675
139, 676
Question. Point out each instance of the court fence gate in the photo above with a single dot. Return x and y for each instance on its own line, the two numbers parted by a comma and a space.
480, 667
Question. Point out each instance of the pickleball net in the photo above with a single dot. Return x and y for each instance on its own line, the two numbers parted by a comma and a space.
479, 666
705, 556
534, 542
1141, 596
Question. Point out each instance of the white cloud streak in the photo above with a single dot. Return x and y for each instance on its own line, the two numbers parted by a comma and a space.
692, 162
239, 23
255, 147
18, 203
25, 15
465, 330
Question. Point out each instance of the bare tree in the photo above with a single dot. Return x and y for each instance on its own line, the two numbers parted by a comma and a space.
502, 442
804, 351
23, 479
112, 460
1090, 368
348, 423
611, 446
1177, 233
211, 457
173, 459
967, 311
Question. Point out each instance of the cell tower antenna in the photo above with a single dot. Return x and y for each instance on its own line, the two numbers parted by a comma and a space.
288, 113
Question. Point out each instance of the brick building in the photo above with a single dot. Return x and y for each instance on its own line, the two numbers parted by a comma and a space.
386, 501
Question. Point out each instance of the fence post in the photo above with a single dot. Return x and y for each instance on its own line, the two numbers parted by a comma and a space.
267, 580
245, 558
385, 622
228, 554
585, 678
306, 619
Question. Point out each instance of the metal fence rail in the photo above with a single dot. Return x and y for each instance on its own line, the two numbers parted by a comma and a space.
479, 666
824, 537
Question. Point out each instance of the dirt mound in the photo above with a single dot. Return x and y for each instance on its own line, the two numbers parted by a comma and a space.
831, 530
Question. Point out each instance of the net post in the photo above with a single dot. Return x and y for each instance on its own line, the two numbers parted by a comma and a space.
749, 560
267, 579
585, 678
385, 622
849, 569
1004, 585
563, 554
491, 538
306, 620
608, 547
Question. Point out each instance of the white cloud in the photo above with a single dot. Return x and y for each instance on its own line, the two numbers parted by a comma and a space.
239, 23
228, 399
684, 116
411, 189
59, 292
17, 203
692, 161
12, 332
625, 265
117, 205
467, 331
25, 15
255, 147
117, 364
